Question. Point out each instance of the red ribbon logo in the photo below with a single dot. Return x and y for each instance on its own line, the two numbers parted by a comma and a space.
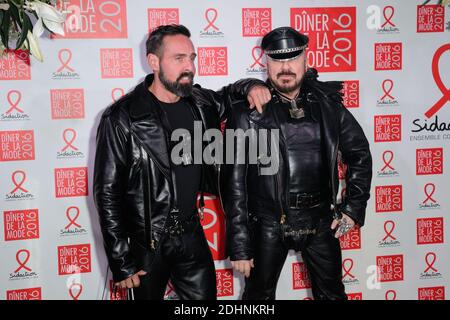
389, 232
211, 21
22, 264
72, 220
391, 295
34, 295
65, 62
430, 264
75, 286
347, 270
14, 104
387, 161
69, 143
114, 95
258, 58
429, 194
388, 19
387, 91
169, 289
437, 78
20, 183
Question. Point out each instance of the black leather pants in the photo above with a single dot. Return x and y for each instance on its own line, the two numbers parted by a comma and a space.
187, 262
321, 253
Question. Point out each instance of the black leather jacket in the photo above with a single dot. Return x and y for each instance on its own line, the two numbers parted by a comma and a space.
245, 191
133, 184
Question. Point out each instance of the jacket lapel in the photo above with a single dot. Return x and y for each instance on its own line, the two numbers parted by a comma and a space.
147, 126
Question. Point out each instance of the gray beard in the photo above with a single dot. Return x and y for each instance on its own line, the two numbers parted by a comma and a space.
287, 90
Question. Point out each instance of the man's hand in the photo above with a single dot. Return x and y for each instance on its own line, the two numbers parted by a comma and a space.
258, 96
243, 266
131, 282
345, 225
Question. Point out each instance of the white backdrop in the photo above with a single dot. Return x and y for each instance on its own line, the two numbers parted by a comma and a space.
50, 242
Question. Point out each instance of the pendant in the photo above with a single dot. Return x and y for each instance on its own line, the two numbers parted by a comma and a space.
297, 113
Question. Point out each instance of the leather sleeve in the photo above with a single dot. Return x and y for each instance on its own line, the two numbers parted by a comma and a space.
234, 197
224, 99
110, 176
356, 154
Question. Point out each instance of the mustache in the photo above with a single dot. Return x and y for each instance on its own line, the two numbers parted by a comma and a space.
286, 73
188, 74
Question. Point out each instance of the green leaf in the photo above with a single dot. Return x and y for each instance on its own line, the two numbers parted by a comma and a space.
26, 26
17, 2
15, 15
4, 30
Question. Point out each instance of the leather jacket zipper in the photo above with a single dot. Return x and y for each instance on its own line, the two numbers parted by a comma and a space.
333, 185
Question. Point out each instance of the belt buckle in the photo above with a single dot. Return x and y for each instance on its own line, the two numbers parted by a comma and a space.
176, 228
304, 202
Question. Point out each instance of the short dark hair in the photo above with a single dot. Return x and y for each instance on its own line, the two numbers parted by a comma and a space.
155, 39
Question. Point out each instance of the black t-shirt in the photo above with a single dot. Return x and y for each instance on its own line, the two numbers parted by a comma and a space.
187, 176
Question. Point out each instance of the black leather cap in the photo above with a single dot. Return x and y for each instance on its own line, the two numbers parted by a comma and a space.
284, 43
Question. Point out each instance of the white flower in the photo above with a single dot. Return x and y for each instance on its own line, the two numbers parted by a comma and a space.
4, 6
48, 15
34, 46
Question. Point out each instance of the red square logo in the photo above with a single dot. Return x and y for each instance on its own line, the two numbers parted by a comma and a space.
389, 198
430, 230
431, 293
388, 56
214, 227
21, 224
300, 276
94, 19
388, 128
354, 296
430, 18
351, 240
17, 145
161, 17
256, 22
351, 93
67, 103
390, 268
224, 282
74, 259
116, 63
71, 182
332, 34
15, 65
429, 161
213, 61
24, 294
117, 293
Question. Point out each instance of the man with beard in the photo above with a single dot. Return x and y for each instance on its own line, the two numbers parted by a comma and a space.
147, 202
295, 208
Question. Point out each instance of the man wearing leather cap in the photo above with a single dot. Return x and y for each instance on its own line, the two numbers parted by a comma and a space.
296, 208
